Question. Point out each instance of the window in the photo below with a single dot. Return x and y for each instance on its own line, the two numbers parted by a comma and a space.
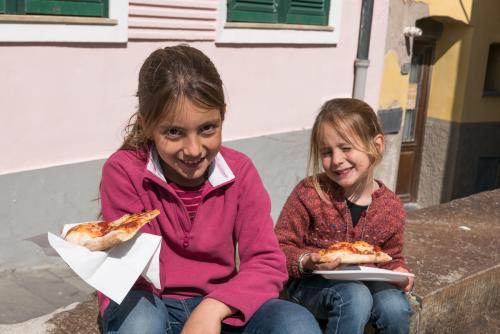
488, 174
279, 21
492, 80
89, 21
409, 125
97, 8
307, 12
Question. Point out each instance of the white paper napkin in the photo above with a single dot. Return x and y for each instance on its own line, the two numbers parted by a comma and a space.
112, 272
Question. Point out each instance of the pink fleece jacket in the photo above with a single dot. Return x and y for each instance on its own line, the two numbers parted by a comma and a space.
198, 258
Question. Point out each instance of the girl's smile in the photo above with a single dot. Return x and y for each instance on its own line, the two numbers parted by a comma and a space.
192, 164
343, 172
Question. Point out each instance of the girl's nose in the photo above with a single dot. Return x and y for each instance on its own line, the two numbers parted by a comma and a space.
192, 147
338, 158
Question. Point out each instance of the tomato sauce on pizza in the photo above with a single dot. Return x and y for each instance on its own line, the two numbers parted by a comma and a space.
354, 252
103, 235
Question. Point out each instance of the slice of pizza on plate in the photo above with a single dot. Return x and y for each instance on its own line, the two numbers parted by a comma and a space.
354, 253
103, 235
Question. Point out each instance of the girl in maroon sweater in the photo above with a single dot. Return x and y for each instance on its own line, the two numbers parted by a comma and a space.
345, 203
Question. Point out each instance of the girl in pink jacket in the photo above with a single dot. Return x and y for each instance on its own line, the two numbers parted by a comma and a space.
212, 202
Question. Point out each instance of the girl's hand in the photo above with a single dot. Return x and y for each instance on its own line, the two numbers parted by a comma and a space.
312, 262
408, 284
207, 317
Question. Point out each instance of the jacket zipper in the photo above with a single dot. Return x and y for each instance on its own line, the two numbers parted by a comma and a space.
183, 223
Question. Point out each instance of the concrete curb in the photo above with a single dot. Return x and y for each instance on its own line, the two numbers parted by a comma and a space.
38, 325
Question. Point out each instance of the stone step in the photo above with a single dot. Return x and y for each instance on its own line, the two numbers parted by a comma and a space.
453, 249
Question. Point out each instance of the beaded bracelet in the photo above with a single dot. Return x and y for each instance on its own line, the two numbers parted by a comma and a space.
303, 271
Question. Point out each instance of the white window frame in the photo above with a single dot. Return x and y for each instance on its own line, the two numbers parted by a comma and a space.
229, 35
74, 31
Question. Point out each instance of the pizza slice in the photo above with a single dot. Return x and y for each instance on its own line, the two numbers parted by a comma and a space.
354, 252
103, 235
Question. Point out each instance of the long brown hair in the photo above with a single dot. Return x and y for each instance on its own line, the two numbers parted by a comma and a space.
355, 122
167, 78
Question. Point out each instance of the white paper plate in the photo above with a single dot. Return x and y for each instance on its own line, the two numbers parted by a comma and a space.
361, 273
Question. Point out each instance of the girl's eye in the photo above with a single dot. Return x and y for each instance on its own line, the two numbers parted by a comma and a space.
173, 133
326, 152
346, 148
208, 129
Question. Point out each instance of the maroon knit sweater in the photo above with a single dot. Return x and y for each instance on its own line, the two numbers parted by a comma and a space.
307, 223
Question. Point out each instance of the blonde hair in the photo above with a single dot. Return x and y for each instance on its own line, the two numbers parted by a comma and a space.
355, 122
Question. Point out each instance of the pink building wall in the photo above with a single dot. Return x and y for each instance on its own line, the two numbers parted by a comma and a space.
66, 102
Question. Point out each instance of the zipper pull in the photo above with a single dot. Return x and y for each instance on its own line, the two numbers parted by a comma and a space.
185, 242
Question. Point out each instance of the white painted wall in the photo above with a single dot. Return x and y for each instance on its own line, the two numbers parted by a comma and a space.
74, 32
66, 103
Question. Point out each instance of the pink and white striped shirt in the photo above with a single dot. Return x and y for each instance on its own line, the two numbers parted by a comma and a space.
190, 197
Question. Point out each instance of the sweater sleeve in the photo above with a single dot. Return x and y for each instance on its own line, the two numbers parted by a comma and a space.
291, 228
394, 244
262, 270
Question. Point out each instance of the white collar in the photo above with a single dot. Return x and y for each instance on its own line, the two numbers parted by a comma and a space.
154, 165
219, 171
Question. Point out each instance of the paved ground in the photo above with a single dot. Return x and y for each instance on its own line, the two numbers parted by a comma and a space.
31, 293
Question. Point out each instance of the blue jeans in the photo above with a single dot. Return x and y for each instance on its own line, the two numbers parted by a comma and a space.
142, 312
350, 305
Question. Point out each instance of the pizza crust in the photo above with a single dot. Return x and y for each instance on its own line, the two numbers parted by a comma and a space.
354, 253
107, 241
349, 258
101, 235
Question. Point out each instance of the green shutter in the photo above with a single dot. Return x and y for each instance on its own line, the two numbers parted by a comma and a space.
96, 8
252, 11
8, 6
308, 12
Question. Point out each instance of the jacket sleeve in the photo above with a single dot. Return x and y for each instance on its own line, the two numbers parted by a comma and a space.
394, 244
291, 230
119, 195
262, 270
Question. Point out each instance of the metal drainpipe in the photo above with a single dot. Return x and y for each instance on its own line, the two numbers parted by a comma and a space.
362, 62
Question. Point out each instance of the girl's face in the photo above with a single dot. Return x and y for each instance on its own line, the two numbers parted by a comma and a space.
188, 143
344, 164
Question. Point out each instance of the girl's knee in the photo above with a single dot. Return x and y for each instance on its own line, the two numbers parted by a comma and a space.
299, 321
140, 312
392, 305
287, 317
139, 325
353, 296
